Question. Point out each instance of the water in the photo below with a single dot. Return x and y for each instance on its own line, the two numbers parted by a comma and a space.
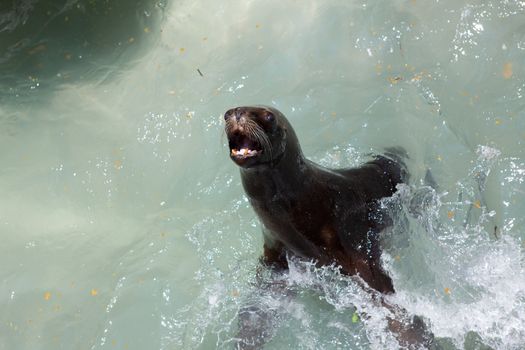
123, 221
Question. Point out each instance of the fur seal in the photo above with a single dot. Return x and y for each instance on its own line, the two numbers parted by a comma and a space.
327, 215
308, 210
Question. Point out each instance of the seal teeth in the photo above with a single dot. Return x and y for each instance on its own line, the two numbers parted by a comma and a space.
243, 152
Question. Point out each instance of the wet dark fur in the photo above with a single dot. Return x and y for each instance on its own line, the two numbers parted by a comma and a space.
314, 212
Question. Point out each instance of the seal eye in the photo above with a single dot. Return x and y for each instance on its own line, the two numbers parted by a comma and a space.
269, 117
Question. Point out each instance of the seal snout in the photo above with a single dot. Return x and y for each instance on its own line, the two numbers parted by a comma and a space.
239, 114
242, 130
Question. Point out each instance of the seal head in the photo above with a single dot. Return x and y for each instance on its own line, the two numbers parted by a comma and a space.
256, 135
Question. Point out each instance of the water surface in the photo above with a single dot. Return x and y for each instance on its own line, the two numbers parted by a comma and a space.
124, 224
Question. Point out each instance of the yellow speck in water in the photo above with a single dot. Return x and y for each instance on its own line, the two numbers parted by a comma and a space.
447, 291
146, 30
205, 38
397, 258
235, 293
182, 50
477, 204
66, 19
47, 295
507, 70
94, 292
67, 56
450, 214
439, 158
172, 92
394, 80
333, 114
131, 39
117, 164
497, 121
417, 77
257, 26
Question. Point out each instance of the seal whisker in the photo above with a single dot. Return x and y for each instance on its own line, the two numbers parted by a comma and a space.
264, 141
255, 132
258, 134
229, 126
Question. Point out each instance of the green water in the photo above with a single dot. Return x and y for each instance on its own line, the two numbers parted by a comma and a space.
124, 224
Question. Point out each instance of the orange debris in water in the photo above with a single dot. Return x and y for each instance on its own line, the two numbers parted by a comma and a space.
507, 70
117, 164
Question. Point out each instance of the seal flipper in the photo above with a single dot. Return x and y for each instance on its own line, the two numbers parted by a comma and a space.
368, 267
410, 331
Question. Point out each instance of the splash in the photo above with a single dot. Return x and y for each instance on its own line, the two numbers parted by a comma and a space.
446, 264
476, 276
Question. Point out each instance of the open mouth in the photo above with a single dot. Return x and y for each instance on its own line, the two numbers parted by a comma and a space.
241, 147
